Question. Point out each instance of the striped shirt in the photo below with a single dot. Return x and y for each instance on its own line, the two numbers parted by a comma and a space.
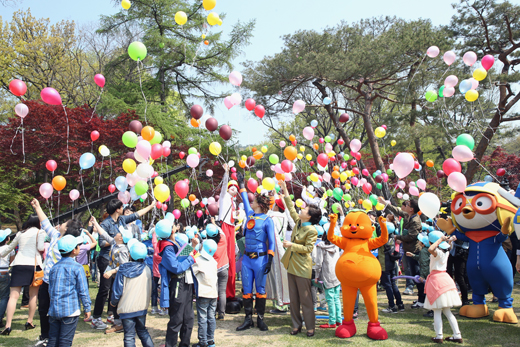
53, 254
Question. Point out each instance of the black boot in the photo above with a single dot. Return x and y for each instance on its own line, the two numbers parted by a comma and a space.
260, 309
248, 321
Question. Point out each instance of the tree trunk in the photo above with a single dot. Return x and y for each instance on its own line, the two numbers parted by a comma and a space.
17, 220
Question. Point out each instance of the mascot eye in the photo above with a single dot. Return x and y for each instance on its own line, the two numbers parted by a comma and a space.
483, 203
458, 204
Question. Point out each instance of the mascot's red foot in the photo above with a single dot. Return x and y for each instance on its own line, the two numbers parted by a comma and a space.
347, 329
375, 331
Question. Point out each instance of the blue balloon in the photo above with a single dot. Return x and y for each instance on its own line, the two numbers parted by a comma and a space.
323, 220
326, 227
464, 86
314, 123
121, 183
205, 201
190, 233
210, 247
488, 178
390, 227
203, 234
169, 216
332, 136
133, 194
327, 101
87, 160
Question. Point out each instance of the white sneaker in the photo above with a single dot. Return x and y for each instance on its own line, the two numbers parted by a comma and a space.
98, 324
155, 310
42, 343
163, 312
110, 319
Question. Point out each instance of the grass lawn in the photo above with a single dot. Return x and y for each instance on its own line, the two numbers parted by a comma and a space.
407, 328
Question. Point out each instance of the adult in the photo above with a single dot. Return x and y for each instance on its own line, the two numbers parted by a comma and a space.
216, 234
30, 242
111, 226
226, 215
412, 226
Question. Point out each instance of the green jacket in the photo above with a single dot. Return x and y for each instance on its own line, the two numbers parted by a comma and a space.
424, 262
297, 258
412, 225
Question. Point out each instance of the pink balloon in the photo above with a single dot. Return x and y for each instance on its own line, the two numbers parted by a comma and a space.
474, 83
451, 165
401, 184
259, 174
469, 58
166, 151
433, 51
308, 133
298, 106
462, 153
326, 177
403, 164
74, 194
192, 160
50, 96
363, 181
176, 213
328, 147
228, 103
100, 80
385, 177
278, 169
488, 61
457, 181
211, 200
449, 57
421, 184
354, 181
287, 166
448, 92
384, 127
144, 148
282, 144
364, 172
199, 213
367, 188
451, 81
355, 145
413, 191
209, 173
46, 190
399, 195
235, 78
132, 179
288, 177
124, 197
236, 98
21, 110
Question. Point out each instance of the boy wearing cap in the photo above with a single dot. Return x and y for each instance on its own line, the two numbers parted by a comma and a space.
4, 273
424, 262
131, 292
67, 286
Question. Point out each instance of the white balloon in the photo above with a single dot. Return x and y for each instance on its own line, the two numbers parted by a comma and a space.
429, 204
167, 144
105, 152
236, 98
139, 158
144, 170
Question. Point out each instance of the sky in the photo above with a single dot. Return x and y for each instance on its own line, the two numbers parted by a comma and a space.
274, 18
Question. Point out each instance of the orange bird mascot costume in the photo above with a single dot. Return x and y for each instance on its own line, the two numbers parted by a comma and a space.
357, 269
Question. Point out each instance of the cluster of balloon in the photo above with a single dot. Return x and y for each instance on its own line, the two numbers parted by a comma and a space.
451, 167
210, 123
467, 87
19, 88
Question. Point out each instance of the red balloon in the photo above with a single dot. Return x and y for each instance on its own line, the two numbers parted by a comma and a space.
164, 207
225, 132
196, 111
250, 104
181, 188
250, 161
216, 163
340, 141
213, 209
333, 158
50, 96
233, 169
287, 166
501, 172
158, 204
166, 151
440, 174
94, 135
357, 155
344, 118
260, 111
135, 126
311, 163
367, 188
451, 165
169, 196
252, 184
111, 188
157, 151
234, 176
355, 171
51, 165
416, 165
155, 174
323, 159
212, 124
353, 162
182, 155
17, 87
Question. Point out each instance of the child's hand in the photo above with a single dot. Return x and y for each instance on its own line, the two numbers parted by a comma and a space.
35, 203
87, 315
409, 254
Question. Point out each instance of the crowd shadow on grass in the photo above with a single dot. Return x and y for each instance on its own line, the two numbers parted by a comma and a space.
15, 341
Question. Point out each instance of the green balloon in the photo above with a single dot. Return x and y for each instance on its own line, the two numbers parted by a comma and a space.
130, 139
292, 197
161, 45
157, 138
329, 192
141, 199
346, 157
431, 96
347, 197
441, 92
389, 171
336, 207
273, 159
379, 185
327, 138
309, 178
324, 204
373, 199
192, 150
185, 203
141, 187
374, 175
277, 188
137, 51
466, 140
338, 194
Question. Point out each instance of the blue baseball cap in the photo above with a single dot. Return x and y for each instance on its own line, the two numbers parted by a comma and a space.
181, 239
424, 239
434, 236
68, 243
163, 229
131, 243
209, 247
138, 251
4, 233
211, 230
320, 230
126, 234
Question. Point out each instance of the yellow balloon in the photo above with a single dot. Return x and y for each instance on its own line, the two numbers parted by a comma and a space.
158, 180
308, 157
161, 192
299, 203
268, 183
215, 148
380, 206
263, 149
243, 158
219, 22
352, 204
300, 156
213, 18
479, 74
259, 189
209, 4
367, 205
348, 186
181, 18
471, 95
302, 149
380, 132
126, 4
203, 36
331, 154
129, 166
393, 143
343, 176
314, 177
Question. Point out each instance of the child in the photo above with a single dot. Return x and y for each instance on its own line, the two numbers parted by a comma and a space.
4, 273
131, 290
216, 234
67, 286
441, 300
327, 257
390, 256
424, 262
205, 270
150, 241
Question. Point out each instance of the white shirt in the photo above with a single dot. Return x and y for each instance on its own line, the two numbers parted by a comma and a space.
205, 270
4, 261
313, 201
280, 223
28, 247
440, 262
225, 202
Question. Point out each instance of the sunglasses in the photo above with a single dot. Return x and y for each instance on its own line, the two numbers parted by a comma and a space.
482, 203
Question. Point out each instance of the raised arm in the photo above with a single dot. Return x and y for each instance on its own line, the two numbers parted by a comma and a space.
341, 242
102, 233
377, 242
46, 225
11, 246
288, 202
395, 210
243, 194
93, 242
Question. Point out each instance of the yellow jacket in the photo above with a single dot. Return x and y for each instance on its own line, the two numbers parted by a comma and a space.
297, 258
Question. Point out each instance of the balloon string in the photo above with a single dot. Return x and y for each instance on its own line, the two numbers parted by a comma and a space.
110, 178
100, 171
58, 207
83, 189
95, 106
68, 154
23, 143
479, 163
50, 209
142, 92
16, 133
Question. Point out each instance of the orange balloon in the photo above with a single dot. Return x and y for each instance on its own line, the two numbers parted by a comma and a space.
316, 146
242, 164
280, 177
429, 163
258, 155
290, 153
360, 201
335, 174
253, 149
59, 182
147, 133
195, 123
206, 42
336, 168
192, 197
292, 138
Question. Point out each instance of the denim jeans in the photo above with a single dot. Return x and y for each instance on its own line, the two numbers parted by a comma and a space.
62, 331
4, 293
390, 286
133, 325
155, 290
206, 319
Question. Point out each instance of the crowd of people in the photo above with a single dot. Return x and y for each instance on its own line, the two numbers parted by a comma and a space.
279, 253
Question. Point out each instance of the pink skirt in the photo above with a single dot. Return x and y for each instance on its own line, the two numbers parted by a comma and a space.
440, 291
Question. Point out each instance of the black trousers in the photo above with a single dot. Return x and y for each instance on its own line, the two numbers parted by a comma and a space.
44, 302
105, 287
181, 313
457, 269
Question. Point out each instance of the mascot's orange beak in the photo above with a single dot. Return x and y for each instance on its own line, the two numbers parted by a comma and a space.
468, 212
353, 228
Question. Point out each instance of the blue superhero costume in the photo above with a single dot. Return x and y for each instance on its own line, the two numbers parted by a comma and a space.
259, 250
